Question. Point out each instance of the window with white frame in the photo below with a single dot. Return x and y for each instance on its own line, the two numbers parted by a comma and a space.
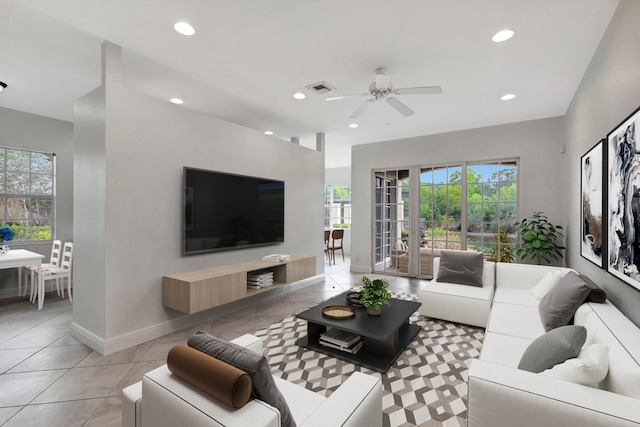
27, 195
337, 206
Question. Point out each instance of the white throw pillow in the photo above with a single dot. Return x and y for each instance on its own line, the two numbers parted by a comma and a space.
545, 284
589, 368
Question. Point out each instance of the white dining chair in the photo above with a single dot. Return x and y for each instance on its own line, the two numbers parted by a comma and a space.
59, 272
54, 260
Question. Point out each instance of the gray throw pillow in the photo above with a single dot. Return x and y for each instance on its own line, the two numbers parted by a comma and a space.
252, 363
552, 348
460, 267
559, 305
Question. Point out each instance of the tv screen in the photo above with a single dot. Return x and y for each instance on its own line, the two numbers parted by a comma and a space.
224, 211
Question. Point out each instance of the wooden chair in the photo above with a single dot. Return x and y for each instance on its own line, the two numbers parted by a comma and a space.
327, 237
336, 244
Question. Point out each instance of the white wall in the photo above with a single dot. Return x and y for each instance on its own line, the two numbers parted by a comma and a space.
31, 132
538, 144
608, 93
135, 148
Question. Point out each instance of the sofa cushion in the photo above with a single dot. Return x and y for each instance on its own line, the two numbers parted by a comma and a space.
559, 305
516, 297
589, 368
515, 320
461, 267
552, 348
503, 350
254, 364
545, 284
219, 380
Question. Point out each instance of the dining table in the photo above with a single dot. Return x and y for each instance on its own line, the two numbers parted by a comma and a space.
19, 258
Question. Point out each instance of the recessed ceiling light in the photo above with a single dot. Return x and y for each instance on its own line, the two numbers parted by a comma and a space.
177, 101
184, 28
268, 132
3, 86
353, 125
507, 97
503, 35
299, 95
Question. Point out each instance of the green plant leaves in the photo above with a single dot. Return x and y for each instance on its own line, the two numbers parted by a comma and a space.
539, 238
375, 293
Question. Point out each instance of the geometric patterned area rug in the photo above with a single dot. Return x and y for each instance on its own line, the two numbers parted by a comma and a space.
426, 386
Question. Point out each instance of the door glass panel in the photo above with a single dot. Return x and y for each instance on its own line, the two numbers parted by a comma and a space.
391, 221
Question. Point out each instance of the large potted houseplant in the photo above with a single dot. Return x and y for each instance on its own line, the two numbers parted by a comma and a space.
374, 295
539, 238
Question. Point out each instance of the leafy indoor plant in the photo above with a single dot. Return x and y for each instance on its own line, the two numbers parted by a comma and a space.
374, 294
502, 251
539, 238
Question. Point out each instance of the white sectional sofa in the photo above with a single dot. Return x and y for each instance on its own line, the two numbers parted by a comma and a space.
459, 303
162, 399
500, 394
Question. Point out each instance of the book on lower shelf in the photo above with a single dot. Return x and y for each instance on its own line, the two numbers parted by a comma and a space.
353, 349
339, 339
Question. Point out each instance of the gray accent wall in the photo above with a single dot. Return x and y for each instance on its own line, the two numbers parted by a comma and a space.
538, 145
130, 154
608, 93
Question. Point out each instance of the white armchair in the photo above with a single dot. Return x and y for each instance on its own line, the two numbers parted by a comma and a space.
162, 399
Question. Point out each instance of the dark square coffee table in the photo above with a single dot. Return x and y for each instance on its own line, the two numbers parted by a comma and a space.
385, 336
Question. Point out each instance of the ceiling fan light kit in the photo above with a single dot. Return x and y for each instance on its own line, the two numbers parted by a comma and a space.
382, 88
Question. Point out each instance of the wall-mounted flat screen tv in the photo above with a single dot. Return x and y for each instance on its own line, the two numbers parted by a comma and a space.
223, 211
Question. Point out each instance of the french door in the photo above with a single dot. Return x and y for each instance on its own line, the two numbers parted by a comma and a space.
420, 211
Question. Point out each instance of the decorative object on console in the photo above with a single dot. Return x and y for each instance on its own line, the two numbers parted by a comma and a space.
6, 235
374, 295
539, 238
461, 267
622, 211
223, 382
552, 348
254, 364
592, 204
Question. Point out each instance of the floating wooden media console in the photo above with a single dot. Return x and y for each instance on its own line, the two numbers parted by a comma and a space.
200, 290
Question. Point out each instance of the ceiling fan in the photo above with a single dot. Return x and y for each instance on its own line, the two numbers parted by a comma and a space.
382, 88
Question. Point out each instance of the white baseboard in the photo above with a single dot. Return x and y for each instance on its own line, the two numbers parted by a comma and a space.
112, 345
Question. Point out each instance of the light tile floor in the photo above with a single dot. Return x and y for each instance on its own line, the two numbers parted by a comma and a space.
49, 378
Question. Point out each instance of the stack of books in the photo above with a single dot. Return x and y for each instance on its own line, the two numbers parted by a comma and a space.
259, 279
341, 340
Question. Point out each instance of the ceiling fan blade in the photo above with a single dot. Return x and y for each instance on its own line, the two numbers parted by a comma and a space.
361, 109
336, 98
425, 90
402, 108
382, 81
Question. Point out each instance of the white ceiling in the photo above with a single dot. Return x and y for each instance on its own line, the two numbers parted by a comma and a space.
248, 57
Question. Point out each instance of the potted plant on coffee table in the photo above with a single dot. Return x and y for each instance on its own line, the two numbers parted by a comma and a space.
374, 295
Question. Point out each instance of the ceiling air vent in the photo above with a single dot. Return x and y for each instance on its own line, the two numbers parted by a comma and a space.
322, 87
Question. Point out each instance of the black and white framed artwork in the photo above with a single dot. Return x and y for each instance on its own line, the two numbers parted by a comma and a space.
623, 198
592, 198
